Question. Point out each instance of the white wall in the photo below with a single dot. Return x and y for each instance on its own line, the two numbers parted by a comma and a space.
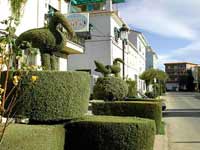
98, 48
137, 39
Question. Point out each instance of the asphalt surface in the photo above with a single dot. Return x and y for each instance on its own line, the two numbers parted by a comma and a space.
182, 117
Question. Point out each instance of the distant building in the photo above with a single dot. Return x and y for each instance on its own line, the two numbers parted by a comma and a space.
175, 71
151, 58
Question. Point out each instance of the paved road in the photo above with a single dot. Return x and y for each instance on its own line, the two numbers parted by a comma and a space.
183, 120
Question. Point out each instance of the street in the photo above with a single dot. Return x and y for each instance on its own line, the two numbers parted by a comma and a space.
183, 120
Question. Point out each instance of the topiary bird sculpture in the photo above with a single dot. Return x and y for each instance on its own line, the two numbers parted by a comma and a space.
105, 70
109, 69
49, 39
116, 68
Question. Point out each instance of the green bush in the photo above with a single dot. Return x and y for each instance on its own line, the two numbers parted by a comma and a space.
34, 137
150, 94
143, 109
132, 88
110, 133
145, 99
56, 96
110, 88
156, 90
46, 62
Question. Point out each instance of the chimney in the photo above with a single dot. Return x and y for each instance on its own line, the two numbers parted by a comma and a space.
109, 5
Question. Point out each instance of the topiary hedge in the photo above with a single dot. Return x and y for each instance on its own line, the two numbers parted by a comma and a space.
110, 133
110, 88
132, 88
56, 96
143, 109
34, 137
144, 99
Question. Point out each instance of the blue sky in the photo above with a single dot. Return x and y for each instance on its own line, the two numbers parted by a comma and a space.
172, 27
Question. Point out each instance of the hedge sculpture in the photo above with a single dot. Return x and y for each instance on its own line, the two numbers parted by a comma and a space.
48, 39
115, 68
109, 69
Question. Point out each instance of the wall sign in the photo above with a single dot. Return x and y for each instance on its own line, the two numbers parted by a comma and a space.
79, 21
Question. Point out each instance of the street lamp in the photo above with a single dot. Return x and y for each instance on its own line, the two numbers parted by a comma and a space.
123, 32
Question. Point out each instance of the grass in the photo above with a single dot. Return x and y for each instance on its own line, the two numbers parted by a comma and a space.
33, 137
162, 128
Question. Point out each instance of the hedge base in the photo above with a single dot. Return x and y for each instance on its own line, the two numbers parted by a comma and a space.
54, 97
150, 110
34, 137
110, 133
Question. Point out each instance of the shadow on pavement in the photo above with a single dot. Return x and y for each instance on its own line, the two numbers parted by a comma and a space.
187, 142
181, 113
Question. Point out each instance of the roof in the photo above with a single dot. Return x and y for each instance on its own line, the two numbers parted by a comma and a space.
174, 63
142, 36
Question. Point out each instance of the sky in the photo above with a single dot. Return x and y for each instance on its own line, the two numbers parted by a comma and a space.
171, 27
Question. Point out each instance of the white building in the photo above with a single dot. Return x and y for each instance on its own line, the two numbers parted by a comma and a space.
104, 47
34, 17
139, 41
151, 58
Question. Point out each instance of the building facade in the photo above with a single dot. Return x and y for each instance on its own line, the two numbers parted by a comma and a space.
151, 58
104, 46
175, 71
140, 42
34, 16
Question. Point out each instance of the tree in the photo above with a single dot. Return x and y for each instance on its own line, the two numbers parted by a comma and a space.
186, 81
190, 81
16, 8
148, 76
155, 74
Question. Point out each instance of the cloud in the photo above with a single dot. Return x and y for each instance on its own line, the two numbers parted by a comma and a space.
176, 19
165, 17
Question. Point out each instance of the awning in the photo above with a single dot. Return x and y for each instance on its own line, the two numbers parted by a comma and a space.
81, 2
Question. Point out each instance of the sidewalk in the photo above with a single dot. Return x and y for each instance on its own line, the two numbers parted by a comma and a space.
161, 141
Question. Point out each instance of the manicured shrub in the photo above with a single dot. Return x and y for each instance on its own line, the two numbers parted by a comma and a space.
34, 137
46, 62
110, 88
132, 88
156, 90
110, 133
54, 62
150, 94
143, 109
56, 96
145, 99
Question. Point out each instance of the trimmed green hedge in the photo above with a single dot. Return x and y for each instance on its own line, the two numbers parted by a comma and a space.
110, 133
56, 96
143, 109
145, 99
110, 89
34, 137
